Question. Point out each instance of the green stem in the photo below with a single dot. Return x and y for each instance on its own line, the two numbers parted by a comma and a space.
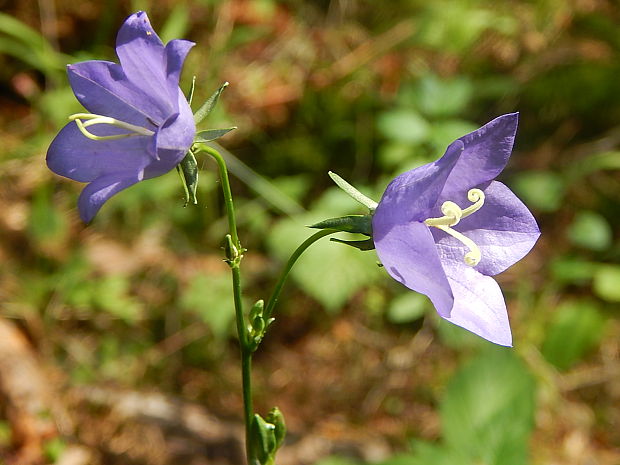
234, 262
271, 303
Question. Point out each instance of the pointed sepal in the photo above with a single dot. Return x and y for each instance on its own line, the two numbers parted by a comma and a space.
188, 172
360, 224
367, 244
208, 106
212, 134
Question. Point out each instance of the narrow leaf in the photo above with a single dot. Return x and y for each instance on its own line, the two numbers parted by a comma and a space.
206, 107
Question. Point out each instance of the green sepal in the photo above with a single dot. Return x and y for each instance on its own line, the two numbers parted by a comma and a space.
276, 418
361, 224
262, 441
190, 96
188, 171
206, 107
366, 244
212, 134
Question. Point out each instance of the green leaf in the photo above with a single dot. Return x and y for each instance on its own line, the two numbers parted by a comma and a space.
590, 230
328, 272
443, 98
573, 270
543, 190
210, 103
210, 297
212, 134
576, 328
407, 307
404, 125
606, 282
487, 411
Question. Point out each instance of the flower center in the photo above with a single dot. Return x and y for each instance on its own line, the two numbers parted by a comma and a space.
92, 119
452, 215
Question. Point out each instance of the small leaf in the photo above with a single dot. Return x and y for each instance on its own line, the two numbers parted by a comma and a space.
590, 230
407, 307
404, 125
543, 190
208, 106
263, 440
606, 283
212, 134
487, 411
577, 327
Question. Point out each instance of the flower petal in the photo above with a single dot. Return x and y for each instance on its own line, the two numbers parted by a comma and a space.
73, 155
503, 229
486, 152
479, 305
408, 253
176, 52
101, 189
143, 58
410, 196
102, 88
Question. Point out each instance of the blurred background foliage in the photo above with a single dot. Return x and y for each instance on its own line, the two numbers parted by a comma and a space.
139, 301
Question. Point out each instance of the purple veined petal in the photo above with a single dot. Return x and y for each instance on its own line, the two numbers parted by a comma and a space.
503, 229
101, 189
479, 305
485, 154
408, 254
143, 58
176, 52
102, 88
173, 140
410, 196
73, 155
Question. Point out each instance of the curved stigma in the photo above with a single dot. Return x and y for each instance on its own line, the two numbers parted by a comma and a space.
92, 119
452, 215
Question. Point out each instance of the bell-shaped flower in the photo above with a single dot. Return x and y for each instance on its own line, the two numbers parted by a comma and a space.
139, 124
445, 228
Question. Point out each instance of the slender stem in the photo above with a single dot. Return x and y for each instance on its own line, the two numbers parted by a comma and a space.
271, 303
228, 200
234, 262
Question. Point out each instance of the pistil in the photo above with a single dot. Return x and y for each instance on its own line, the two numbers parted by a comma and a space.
452, 215
92, 119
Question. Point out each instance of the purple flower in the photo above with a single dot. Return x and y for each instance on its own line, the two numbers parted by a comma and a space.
140, 125
445, 228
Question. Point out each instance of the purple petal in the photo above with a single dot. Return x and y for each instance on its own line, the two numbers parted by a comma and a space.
102, 88
176, 51
408, 253
73, 155
101, 189
410, 196
503, 229
143, 58
486, 152
479, 305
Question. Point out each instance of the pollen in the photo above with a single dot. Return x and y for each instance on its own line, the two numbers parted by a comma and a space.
452, 215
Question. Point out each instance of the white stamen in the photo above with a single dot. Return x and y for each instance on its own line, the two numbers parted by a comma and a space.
92, 119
